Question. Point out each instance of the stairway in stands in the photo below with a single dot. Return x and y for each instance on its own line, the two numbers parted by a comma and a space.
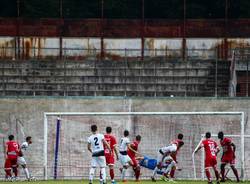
110, 78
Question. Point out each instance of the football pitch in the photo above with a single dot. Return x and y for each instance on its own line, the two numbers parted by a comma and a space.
128, 182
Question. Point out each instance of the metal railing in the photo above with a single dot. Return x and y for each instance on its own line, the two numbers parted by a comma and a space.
113, 54
238, 82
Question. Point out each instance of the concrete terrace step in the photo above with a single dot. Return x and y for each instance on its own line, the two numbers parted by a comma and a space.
109, 78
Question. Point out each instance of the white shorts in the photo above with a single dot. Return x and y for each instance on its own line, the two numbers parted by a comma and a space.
124, 159
21, 161
98, 161
160, 157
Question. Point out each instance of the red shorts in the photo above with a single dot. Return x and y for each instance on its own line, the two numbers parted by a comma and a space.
134, 161
110, 159
210, 162
10, 163
228, 159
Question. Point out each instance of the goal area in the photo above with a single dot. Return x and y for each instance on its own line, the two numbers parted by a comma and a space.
65, 153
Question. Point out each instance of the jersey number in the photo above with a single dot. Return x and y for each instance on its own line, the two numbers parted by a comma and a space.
212, 149
96, 141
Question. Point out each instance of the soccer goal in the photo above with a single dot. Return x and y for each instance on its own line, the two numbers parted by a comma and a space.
65, 138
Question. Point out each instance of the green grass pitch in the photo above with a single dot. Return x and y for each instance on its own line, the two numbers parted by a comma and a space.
129, 182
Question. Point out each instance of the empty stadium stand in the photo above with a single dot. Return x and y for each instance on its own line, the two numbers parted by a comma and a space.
110, 78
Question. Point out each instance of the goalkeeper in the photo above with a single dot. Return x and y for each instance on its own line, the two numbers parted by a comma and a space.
168, 164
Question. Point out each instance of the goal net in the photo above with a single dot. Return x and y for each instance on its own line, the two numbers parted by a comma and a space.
65, 138
198, 159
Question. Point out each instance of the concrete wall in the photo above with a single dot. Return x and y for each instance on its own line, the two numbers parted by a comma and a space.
80, 47
24, 116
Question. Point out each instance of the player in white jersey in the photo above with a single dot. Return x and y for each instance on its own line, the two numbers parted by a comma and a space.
21, 160
123, 155
96, 144
163, 155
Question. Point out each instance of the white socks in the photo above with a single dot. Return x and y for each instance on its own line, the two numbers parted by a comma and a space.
103, 174
91, 174
170, 166
123, 173
27, 174
155, 171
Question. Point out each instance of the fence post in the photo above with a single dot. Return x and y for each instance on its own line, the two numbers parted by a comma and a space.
247, 86
155, 79
4, 78
64, 75
95, 73
166, 54
126, 64
216, 74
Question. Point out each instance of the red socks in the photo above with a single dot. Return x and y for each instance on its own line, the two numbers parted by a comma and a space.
112, 174
8, 173
172, 173
208, 175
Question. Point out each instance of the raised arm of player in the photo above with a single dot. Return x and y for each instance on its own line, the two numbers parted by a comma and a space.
5, 151
218, 150
234, 146
89, 148
116, 152
130, 147
199, 147
106, 144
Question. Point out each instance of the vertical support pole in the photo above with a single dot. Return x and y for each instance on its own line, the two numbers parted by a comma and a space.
216, 75
247, 85
184, 44
60, 39
60, 48
142, 31
45, 148
242, 140
184, 32
58, 126
102, 30
125, 72
18, 31
225, 53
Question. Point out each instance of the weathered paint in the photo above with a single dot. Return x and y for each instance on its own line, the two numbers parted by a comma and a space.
124, 28
80, 48
122, 47
7, 47
203, 48
163, 47
40, 47
238, 43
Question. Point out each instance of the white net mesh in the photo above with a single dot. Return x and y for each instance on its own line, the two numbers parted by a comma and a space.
156, 131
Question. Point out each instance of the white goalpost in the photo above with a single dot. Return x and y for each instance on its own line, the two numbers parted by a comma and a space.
214, 136
161, 122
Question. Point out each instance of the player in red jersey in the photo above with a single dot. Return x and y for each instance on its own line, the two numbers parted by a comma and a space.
228, 156
110, 157
174, 155
211, 150
133, 153
11, 153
